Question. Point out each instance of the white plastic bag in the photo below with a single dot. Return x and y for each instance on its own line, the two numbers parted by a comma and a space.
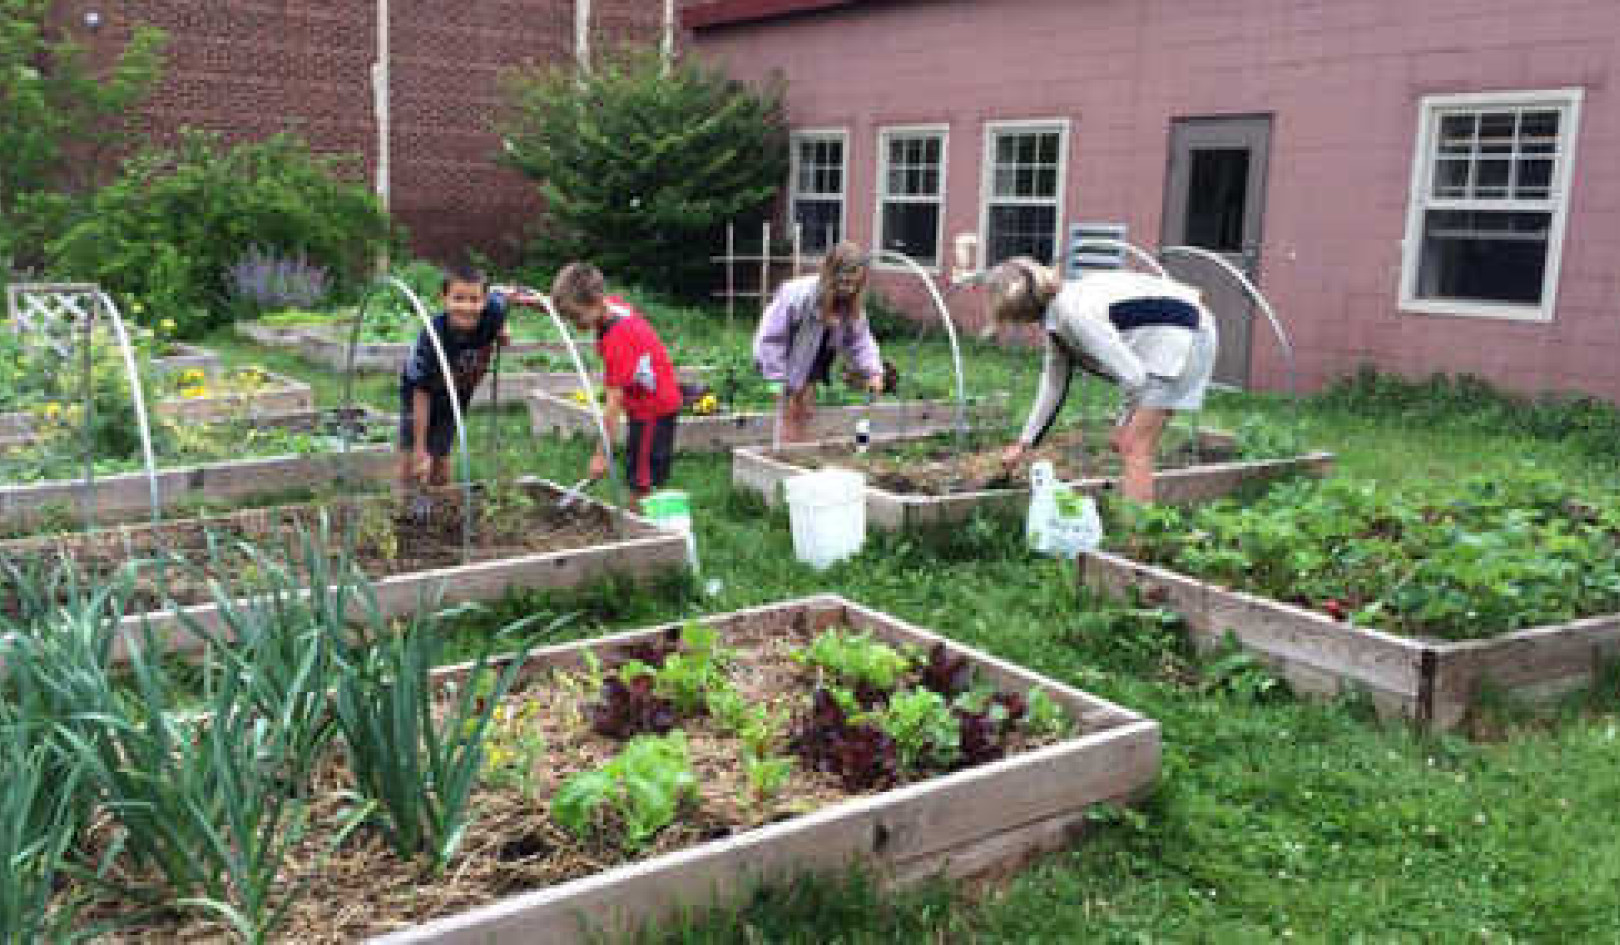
1061, 521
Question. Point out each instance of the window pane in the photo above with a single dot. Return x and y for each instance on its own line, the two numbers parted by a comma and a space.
1457, 134
818, 222
1535, 179
1451, 179
1004, 182
913, 229
1217, 191
1021, 231
1496, 132
1538, 133
1491, 179
1484, 255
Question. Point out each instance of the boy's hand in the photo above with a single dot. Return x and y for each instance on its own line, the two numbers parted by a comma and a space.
599, 467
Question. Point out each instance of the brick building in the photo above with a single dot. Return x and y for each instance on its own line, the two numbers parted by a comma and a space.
249, 68
1424, 186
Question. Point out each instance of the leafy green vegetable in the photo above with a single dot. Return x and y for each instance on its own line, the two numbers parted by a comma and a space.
644, 786
856, 659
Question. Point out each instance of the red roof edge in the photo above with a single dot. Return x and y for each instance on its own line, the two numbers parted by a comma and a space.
727, 12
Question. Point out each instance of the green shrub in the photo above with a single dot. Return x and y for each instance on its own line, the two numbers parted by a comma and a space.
639, 170
1466, 401
54, 101
170, 227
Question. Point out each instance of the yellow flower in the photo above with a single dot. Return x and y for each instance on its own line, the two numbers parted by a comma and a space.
194, 392
53, 410
191, 377
167, 324
706, 405
580, 397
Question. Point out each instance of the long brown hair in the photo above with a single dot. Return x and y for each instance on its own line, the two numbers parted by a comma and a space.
842, 256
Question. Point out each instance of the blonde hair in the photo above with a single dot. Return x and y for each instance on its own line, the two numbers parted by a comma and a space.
1020, 290
578, 284
839, 257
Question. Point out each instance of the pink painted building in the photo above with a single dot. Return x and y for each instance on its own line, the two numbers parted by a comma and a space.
1422, 185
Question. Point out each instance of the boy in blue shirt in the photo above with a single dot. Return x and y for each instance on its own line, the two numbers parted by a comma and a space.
472, 324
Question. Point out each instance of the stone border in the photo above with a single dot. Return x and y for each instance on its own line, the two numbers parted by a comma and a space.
642, 550
1431, 683
127, 494
759, 472
552, 413
955, 825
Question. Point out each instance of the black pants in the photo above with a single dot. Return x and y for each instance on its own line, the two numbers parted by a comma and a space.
649, 452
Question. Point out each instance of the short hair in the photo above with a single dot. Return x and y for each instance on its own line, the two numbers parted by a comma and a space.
579, 283
1017, 291
463, 272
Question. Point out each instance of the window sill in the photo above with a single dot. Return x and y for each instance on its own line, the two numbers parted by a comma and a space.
1461, 308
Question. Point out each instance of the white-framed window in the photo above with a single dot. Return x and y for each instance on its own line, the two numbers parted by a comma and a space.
911, 191
1024, 166
1490, 196
819, 177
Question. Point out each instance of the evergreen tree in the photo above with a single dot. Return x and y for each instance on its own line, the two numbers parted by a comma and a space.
640, 168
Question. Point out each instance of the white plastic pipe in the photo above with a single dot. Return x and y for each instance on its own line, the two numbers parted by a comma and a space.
1254, 294
950, 330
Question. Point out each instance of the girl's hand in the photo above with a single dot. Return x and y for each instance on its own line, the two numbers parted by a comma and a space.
875, 383
1013, 455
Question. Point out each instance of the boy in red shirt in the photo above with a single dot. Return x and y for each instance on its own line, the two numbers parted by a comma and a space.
637, 375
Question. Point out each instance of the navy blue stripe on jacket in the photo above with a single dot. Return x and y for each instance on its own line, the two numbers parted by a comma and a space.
1139, 313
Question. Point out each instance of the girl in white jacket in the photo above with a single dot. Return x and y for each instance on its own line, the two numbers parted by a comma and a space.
1150, 335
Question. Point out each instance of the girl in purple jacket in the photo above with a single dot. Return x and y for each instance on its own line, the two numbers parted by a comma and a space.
812, 320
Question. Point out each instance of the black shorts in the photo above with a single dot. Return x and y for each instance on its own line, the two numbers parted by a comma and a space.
821, 367
441, 430
649, 452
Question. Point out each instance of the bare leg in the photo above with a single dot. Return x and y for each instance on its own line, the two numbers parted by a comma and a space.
441, 471
1138, 444
797, 413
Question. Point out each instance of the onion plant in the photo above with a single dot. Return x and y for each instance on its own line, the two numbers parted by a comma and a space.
415, 767
38, 821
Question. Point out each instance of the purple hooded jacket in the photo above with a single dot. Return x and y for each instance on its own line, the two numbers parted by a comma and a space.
781, 354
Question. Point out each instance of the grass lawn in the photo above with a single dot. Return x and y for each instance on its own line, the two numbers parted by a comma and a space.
1274, 819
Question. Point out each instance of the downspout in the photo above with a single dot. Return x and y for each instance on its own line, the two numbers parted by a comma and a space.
582, 34
379, 95
668, 47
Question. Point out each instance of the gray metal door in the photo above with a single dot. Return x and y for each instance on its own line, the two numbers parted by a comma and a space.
1215, 198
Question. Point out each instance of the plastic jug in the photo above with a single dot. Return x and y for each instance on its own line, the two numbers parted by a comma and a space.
1061, 520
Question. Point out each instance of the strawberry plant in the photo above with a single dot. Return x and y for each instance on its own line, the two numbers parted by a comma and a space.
1493, 555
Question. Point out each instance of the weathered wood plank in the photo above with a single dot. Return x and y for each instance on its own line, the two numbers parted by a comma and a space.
552, 414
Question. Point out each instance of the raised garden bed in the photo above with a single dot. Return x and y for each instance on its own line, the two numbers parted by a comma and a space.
913, 483
565, 415
198, 395
520, 540
126, 494
177, 356
1429, 571
541, 861
328, 346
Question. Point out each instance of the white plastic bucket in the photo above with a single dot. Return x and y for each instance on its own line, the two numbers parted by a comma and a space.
827, 510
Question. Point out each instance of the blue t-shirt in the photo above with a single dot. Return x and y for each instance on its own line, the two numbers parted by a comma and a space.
468, 352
